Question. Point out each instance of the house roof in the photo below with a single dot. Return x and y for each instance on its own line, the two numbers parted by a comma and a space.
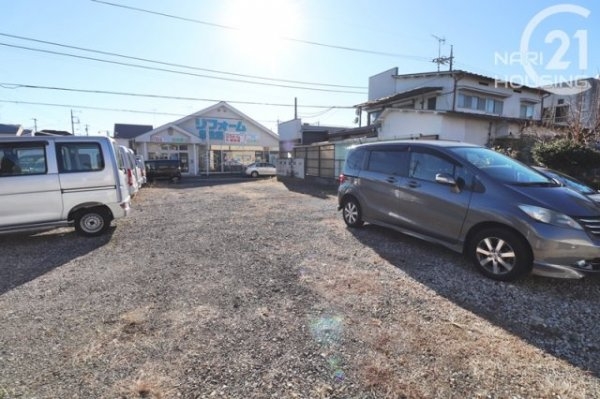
9, 129
400, 96
126, 131
206, 111
461, 73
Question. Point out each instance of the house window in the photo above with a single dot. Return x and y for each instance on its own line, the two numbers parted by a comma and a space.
526, 110
373, 116
431, 102
486, 104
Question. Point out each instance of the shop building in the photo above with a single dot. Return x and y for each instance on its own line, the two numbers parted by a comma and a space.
218, 139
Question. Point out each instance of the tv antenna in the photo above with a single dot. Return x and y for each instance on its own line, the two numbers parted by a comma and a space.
442, 60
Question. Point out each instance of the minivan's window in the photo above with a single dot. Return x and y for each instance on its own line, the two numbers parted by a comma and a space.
79, 157
354, 161
426, 166
22, 159
390, 162
502, 167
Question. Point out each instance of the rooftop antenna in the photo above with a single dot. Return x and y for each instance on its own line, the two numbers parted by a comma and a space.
438, 60
443, 60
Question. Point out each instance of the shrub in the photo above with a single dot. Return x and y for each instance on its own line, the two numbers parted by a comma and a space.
569, 157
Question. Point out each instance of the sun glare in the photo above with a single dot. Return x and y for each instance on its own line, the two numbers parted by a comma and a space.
263, 27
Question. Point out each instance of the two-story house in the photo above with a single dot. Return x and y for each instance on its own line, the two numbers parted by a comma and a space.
450, 105
576, 108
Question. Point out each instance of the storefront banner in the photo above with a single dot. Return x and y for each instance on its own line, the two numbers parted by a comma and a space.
227, 130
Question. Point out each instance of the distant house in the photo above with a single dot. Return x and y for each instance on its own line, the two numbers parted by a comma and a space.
451, 105
294, 133
578, 106
49, 132
125, 134
11, 130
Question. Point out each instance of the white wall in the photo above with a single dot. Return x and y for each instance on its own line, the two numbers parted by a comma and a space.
382, 84
402, 124
290, 130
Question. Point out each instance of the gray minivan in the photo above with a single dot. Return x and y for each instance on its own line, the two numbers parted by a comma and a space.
508, 218
56, 181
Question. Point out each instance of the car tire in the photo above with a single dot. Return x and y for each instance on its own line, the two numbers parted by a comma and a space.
500, 254
352, 213
254, 174
92, 222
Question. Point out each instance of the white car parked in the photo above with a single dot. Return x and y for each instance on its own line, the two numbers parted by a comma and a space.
260, 169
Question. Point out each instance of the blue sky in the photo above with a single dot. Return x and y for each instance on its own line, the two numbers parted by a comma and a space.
280, 45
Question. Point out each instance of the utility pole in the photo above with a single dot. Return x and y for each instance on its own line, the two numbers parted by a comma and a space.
34, 126
295, 107
74, 120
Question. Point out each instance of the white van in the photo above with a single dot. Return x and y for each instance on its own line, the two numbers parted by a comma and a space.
56, 181
131, 170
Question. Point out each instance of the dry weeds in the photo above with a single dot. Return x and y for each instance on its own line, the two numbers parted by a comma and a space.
258, 290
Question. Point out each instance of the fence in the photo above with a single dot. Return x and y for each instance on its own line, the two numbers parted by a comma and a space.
322, 161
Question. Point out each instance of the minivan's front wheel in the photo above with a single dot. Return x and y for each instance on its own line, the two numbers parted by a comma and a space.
92, 222
500, 254
352, 213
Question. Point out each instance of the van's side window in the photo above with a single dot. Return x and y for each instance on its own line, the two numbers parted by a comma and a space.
22, 159
390, 162
425, 166
79, 157
354, 160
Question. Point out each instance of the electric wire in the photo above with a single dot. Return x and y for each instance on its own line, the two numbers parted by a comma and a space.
345, 48
13, 86
177, 72
176, 65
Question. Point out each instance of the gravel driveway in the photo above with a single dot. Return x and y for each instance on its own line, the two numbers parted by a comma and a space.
256, 289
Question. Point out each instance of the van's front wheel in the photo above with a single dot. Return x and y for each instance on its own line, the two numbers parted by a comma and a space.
500, 254
92, 222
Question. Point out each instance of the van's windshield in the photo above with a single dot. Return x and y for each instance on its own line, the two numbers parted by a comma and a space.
502, 167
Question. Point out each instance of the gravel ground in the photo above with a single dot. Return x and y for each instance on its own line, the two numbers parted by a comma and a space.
256, 289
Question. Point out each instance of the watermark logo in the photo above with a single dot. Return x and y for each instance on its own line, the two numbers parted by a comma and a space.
549, 69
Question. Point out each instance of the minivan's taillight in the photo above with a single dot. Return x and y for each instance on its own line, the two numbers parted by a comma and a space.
342, 178
129, 177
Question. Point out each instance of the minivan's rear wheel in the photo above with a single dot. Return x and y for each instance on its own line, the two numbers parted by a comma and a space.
352, 213
500, 254
92, 222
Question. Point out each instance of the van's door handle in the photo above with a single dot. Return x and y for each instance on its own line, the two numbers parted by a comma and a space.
413, 184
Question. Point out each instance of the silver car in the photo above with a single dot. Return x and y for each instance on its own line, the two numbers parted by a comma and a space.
508, 218
257, 169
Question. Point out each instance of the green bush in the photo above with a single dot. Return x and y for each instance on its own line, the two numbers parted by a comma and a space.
517, 148
569, 157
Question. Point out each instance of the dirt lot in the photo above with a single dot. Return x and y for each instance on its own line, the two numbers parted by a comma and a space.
256, 289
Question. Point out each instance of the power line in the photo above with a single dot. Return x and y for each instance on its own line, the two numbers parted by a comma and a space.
177, 72
196, 21
120, 93
89, 107
105, 109
174, 64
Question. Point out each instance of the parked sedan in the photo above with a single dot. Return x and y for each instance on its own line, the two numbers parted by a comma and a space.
571, 182
260, 169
